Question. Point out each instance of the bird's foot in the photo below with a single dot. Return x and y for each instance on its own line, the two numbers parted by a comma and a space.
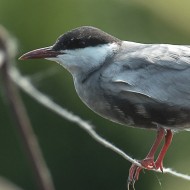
159, 165
147, 163
134, 172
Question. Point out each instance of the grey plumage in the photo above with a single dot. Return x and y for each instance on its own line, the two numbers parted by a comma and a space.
155, 78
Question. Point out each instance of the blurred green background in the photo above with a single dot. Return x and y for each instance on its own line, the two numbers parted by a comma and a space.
75, 160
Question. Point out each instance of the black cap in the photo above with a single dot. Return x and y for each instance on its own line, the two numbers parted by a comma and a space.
85, 36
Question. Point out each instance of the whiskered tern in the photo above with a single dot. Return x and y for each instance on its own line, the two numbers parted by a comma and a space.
138, 85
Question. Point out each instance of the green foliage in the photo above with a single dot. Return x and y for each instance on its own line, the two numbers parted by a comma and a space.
75, 160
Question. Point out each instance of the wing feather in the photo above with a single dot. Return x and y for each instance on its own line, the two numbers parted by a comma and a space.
149, 84
161, 72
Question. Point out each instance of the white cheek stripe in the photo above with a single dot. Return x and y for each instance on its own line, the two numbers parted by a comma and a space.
84, 59
96, 53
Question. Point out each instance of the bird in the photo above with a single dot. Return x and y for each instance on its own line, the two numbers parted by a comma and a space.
138, 85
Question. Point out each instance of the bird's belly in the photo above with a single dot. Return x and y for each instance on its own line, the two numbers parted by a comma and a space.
98, 103
133, 114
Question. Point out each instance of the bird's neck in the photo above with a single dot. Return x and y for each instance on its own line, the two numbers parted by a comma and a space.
91, 60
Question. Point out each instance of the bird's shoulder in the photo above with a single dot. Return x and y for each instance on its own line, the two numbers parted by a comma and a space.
160, 72
136, 55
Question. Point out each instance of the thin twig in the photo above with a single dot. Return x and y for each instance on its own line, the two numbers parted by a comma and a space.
27, 87
20, 118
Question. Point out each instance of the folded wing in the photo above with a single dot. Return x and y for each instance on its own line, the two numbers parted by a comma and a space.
151, 83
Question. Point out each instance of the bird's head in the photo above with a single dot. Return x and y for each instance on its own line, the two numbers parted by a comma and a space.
78, 50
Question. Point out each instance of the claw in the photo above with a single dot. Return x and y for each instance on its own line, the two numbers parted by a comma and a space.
162, 170
136, 176
131, 185
159, 165
133, 176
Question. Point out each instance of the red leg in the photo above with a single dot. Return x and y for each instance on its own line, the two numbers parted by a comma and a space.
148, 162
168, 140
